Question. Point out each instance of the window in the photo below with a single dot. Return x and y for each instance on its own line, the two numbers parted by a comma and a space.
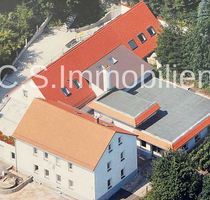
143, 143
109, 166
46, 156
110, 148
109, 184
122, 173
71, 184
12, 155
66, 91
119, 140
58, 179
142, 38
156, 149
46, 173
36, 169
112, 60
58, 161
132, 44
76, 83
25, 93
70, 166
122, 156
151, 31
35, 151
185, 146
197, 138
100, 67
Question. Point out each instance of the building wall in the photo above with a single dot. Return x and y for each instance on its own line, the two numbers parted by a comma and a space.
124, 8
31, 88
96, 89
83, 179
129, 148
6, 151
191, 143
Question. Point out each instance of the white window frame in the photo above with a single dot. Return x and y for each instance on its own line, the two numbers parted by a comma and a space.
46, 155
120, 140
153, 30
36, 171
71, 184
110, 149
45, 173
25, 93
142, 141
122, 176
35, 151
109, 186
109, 166
58, 161
57, 178
199, 138
122, 156
12, 153
112, 60
142, 36
70, 166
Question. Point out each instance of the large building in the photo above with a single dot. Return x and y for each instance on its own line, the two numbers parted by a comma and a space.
74, 153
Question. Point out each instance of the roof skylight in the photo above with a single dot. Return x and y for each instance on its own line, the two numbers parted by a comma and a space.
65, 91
76, 83
112, 60
132, 44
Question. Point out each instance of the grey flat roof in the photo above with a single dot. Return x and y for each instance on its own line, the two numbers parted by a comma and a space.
124, 102
180, 109
126, 60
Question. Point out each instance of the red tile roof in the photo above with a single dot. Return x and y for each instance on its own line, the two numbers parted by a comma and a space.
118, 32
66, 132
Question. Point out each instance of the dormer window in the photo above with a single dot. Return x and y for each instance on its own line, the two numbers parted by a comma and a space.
112, 60
66, 91
151, 31
142, 38
100, 67
76, 83
132, 44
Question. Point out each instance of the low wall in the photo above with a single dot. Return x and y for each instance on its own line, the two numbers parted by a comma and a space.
109, 16
35, 36
17, 188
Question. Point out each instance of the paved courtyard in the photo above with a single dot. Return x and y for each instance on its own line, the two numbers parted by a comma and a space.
33, 191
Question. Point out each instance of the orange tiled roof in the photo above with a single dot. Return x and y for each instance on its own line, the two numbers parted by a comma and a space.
65, 132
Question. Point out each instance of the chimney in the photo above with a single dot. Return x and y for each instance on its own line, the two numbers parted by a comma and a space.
106, 78
97, 120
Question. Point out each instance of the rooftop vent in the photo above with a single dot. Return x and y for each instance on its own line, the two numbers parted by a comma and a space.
103, 124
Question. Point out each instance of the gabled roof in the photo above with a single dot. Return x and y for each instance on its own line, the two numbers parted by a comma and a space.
66, 132
125, 107
118, 32
126, 60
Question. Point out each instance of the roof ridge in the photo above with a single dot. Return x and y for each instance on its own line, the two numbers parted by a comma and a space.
109, 25
68, 112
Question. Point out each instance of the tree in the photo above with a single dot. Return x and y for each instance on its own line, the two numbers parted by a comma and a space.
205, 193
171, 47
200, 40
174, 178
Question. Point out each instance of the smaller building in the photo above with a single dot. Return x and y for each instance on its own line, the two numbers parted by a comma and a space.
163, 115
74, 153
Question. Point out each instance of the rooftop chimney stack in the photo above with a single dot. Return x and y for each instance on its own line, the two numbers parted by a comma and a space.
106, 78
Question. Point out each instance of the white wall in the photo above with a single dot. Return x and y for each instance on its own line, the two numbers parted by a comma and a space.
124, 9
96, 89
129, 164
5, 152
33, 92
82, 178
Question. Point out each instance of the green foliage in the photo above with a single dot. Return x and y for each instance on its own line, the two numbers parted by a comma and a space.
205, 193
174, 178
